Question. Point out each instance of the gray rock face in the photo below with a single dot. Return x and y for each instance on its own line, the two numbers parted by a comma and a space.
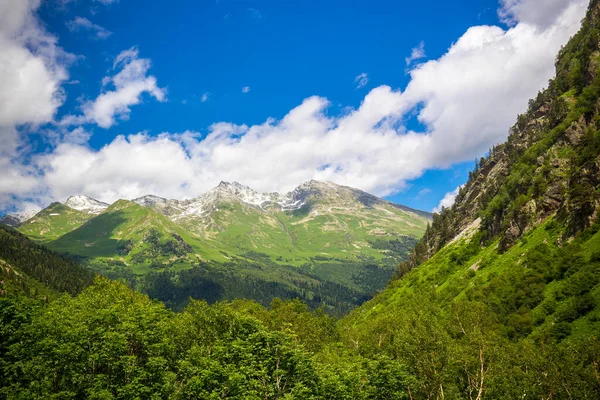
15, 220
574, 133
10, 220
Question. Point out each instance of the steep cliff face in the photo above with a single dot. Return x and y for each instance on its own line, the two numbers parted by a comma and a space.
550, 164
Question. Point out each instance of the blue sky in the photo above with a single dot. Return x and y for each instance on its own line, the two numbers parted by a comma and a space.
336, 71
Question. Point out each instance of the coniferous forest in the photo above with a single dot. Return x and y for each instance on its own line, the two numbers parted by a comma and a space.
500, 299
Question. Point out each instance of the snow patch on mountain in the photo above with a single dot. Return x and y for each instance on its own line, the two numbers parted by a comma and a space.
18, 218
150, 200
84, 203
198, 210
286, 201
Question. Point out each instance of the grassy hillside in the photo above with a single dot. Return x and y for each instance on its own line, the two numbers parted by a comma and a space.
135, 236
296, 237
536, 288
53, 222
311, 261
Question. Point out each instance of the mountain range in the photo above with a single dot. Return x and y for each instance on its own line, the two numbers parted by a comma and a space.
318, 234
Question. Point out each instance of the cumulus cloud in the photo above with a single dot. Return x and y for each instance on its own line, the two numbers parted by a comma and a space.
361, 80
32, 69
32, 66
466, 100
81, 23
122, 169
541, 13
448, 200
245, 89
129, 84
16, 178
205, 97
417, 53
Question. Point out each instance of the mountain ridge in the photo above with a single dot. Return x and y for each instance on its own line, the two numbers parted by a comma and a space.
322, 242
288, 201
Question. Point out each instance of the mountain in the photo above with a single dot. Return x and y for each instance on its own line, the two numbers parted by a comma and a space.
325, 243
79, 203
315, 219
86, 204
501, 296
52, 222
18, 218
130, 234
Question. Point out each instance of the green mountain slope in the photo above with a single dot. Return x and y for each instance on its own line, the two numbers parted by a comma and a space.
318, 219
134, 236
53, 222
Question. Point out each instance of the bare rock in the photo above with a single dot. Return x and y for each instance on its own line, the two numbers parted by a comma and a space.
511, 235
574, 132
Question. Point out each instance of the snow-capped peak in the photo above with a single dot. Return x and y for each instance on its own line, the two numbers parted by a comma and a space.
207, 202
27, 214
242, 192
84, 203
19, 218
150, 200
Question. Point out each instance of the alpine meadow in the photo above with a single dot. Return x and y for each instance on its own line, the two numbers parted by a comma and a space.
333, 252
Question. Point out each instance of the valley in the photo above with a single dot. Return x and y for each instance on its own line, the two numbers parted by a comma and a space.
325, 243
327, 292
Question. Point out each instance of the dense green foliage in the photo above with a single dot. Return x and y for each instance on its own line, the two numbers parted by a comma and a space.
521, 322
469, 321
112, 343
338, 286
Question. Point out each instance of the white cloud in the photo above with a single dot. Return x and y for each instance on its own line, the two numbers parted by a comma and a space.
245, 89
448, 200
16, 178
361, 80
32, 66
205, 97
423, 192
76, 136
32, 69
81, 23
122, 169
417, 53
542, 13
130, 83
466, 99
